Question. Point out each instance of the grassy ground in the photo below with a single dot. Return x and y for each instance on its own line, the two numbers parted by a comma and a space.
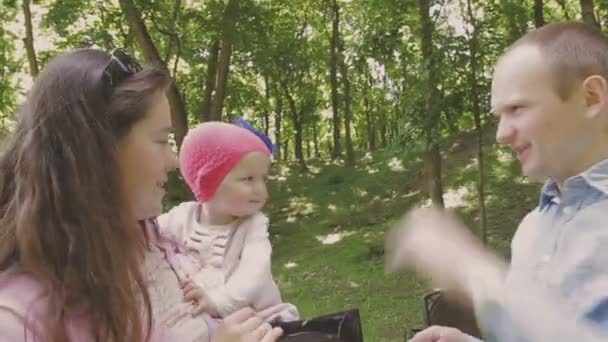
328, 229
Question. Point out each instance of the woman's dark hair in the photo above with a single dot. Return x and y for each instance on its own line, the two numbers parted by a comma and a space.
62, 208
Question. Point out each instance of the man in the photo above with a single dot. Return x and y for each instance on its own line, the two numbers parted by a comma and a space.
550, 94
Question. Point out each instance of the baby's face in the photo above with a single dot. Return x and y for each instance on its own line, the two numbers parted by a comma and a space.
243, 191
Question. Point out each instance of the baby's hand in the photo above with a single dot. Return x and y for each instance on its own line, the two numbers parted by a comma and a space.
198, 296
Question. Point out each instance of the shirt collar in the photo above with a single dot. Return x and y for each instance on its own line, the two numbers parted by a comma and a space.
549, 194
596, 177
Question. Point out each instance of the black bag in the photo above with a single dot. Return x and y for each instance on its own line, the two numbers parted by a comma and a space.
342, 326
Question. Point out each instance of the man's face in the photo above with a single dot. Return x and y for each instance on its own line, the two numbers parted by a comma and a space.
549, 135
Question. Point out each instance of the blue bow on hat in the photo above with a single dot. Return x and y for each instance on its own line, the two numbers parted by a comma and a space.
245, 124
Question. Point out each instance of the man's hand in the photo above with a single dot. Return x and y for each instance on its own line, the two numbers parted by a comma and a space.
436, 244
440, 334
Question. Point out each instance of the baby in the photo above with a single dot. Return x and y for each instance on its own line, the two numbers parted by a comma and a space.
222, 238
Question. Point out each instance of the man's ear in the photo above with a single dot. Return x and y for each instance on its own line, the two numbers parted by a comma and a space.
595, 92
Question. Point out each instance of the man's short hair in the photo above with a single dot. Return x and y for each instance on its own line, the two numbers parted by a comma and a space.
573, 51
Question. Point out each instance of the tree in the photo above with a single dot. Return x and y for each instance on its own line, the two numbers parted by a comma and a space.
539, 18
297, 117
223, 61
28, 41
339, 58
211, 80
178, 108
333, 72
9, 66
433, 157
474, 67
278, 114
588, 13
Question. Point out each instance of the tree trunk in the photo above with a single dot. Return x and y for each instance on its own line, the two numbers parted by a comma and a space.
474, 89
315, 139
539, 18
308, 149
172, 35
483, 220
369, 126
588, 13
296, 118
350, 152
431, 110
266, 112
28, 41
333, 72
395, 124
382, 117
339, 56
369, 121
223, 67
277, 123
434, 171
298, 141
383, 137
210, 82
178, 55
178, 108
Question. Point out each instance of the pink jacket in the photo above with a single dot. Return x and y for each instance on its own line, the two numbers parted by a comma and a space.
23, 312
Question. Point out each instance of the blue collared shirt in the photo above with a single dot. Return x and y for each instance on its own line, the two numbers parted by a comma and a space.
556, 288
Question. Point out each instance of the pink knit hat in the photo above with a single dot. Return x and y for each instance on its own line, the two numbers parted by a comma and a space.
210, 150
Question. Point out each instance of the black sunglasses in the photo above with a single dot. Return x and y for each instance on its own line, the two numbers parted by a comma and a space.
119, 68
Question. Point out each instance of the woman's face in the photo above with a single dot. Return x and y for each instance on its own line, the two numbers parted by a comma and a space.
145, 158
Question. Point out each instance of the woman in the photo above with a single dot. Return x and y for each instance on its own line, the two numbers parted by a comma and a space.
85, 166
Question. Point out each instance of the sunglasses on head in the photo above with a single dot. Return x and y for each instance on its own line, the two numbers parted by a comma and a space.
120, 67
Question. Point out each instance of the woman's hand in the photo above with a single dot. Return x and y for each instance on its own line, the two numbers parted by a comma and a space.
245, 326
